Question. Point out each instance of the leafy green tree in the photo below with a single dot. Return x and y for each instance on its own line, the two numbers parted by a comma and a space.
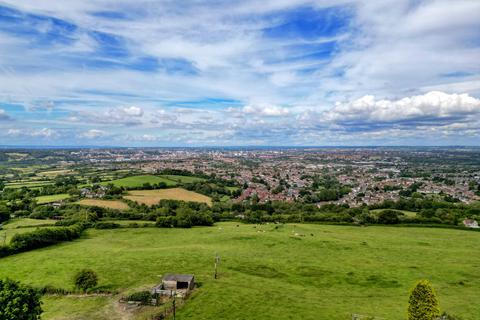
389, 217
4, 213
423, 303
86, 279
18, 302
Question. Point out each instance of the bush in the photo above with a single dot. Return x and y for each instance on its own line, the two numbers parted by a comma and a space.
166, 222
4, 213
44, 237
423, 303
389, 217
49, 289
143, 297
107, 225
5, 251
18, 302
86, 279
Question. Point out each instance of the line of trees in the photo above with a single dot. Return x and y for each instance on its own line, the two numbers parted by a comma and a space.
42, 237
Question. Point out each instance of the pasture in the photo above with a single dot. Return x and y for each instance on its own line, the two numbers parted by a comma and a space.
23, 225
27, 184
111, 204
54, 173
138, 181
52, 198
266, 272
182, 179
151, 197
405, 212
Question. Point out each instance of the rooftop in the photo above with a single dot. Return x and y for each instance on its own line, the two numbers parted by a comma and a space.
178, 277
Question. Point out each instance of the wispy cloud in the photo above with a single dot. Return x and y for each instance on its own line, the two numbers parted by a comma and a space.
247, 72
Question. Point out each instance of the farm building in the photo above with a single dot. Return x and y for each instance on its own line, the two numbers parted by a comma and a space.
178, 283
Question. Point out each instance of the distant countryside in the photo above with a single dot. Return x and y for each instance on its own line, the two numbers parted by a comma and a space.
242, 229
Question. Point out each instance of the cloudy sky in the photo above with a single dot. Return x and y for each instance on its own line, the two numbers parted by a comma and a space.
226, 72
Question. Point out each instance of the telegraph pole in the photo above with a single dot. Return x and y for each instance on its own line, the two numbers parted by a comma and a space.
174, 296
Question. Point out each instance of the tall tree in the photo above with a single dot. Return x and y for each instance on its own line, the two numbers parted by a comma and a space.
423, 303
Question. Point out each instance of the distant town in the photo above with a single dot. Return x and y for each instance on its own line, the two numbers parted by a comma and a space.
349, 176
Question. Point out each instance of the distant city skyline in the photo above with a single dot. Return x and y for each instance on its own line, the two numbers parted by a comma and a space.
239, 73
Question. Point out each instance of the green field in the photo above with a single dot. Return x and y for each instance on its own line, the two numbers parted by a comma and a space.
152, 197
21, 226
128, 222
138, 181
183, 179
266, 272
405, 212
28, 184
52, 198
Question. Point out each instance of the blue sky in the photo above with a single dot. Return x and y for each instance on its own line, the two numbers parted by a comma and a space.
209, 73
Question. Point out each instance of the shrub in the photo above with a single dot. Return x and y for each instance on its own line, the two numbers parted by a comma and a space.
44, 237
166, 222
4, 213
5, 251
107, 225
49, 289
423, 303
86, 279
143, 297
389, 217
18, 302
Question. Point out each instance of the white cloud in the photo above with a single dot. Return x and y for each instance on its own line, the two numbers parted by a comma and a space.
142, 138
265, 110
133, 111
14, 132
427, 107
93, 134
114, 116
149, 137
280, 86
45, 133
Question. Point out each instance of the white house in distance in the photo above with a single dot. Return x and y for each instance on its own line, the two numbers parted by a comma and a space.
470, 223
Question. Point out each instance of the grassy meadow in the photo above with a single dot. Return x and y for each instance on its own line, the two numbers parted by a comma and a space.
23, 225
52, 198
182, 179
270, 271
111, 204
151, 197
28, 184
138, 181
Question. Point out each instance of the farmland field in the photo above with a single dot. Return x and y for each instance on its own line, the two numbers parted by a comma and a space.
112, 204
28, 184
21, 226
183, 179
405, 212
138, 181
52, 198
151, 197
266, 272
53, 173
